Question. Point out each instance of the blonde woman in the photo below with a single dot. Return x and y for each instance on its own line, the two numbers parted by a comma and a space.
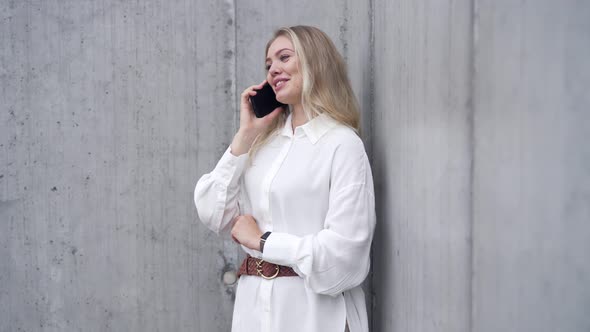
295, 190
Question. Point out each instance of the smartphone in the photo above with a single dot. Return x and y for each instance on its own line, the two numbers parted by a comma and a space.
264, 101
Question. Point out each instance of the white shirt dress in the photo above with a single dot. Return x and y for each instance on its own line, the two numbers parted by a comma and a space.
313, 189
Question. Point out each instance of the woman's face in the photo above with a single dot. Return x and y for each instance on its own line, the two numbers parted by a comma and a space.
283, 71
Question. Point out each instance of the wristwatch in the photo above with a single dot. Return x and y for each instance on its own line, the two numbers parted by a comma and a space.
263, 240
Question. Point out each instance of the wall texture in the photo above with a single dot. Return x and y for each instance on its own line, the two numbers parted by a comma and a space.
531, 189
479, 128
421, 163
475, 115
110, 111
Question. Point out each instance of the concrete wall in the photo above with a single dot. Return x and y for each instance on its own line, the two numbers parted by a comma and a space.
531, 189
110, 111
474, 115
421, 163
480, 122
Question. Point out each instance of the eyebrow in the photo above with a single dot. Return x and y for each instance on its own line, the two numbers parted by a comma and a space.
279, 51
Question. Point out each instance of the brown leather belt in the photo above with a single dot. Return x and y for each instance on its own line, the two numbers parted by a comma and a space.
258, 267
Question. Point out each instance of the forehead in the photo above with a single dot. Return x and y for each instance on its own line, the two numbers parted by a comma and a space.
278, 44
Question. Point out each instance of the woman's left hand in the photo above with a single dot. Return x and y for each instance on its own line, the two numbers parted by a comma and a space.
246, 232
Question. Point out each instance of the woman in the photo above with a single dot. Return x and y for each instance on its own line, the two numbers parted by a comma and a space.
295, 190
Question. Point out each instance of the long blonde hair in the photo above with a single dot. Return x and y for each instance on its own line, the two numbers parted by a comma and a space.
326, 87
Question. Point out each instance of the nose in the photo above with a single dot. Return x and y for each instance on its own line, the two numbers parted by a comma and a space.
274, 69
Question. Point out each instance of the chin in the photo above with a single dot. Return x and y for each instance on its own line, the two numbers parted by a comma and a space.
284, 100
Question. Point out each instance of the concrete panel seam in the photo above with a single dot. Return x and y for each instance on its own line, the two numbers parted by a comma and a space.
371, 133
471, 151
235, 78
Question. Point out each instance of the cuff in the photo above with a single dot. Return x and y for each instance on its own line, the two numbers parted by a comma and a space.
281, 248
231, 167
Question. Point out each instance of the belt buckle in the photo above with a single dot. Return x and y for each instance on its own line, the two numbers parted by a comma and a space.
259, 263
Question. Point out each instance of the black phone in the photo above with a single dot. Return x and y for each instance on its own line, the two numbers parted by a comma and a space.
265, 101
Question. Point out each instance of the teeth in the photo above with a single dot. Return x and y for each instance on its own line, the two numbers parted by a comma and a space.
279, 83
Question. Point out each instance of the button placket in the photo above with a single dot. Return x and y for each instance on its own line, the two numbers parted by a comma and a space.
274, 169
265, 293
266, 285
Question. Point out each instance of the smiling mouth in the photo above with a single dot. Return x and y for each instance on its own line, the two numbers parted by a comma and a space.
280, 84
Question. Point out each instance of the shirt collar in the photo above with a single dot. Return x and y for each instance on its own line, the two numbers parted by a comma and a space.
314, 129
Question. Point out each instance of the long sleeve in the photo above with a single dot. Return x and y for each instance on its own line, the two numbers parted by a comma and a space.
336, 258
216, 193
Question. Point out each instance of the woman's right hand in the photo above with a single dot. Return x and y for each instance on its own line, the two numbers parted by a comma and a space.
250, 125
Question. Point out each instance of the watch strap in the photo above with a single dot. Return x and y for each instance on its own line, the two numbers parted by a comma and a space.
263, 240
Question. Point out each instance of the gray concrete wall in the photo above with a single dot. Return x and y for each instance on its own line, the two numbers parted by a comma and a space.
421, 163
531, 190
475, 115
110, 111
482, 167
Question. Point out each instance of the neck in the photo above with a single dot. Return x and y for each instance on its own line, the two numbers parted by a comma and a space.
298, 117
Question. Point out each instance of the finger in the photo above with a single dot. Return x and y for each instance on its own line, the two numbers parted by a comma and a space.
251, 91
259, 86
247, 92
246, 97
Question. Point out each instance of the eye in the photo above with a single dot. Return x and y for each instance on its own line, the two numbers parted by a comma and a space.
267, 66
284, 57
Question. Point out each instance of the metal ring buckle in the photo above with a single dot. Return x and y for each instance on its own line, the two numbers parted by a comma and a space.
259, 270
